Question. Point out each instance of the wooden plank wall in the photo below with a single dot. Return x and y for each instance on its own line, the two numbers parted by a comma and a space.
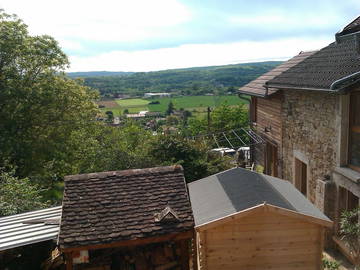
262, 241
269, 116
268, 112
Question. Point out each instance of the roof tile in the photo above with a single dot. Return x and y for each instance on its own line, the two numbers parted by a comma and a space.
107, 207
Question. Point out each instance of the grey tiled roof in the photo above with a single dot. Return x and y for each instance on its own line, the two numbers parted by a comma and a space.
237, 189
108, 207
256, 87
352, 27
321, 69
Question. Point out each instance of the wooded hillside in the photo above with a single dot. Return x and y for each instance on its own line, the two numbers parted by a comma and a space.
190, 81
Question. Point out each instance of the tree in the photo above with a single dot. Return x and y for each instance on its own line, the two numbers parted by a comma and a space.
170, 109
110, 116
350, 231
43, 113
192, 155
18, 195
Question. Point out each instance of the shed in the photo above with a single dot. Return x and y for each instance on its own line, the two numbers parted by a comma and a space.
247, 220
131, 219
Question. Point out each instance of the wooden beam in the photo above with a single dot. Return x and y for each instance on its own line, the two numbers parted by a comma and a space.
260, 208
195, 251
184, 247
294, 214
69, 260
231, 217
321, 248
134, 242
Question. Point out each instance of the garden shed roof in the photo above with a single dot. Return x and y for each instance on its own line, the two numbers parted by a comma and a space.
109, 207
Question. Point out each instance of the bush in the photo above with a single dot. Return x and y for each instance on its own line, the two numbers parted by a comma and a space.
154, 102
330, 265
18, 195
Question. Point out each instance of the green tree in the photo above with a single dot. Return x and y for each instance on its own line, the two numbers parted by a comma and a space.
350, 231
42, 111
170, 109
192, 155
18, 195
110, 116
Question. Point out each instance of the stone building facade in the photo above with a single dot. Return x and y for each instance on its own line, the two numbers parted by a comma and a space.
309, 128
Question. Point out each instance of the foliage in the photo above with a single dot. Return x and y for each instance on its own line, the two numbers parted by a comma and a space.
330, 265
170, 108
192, 155
43, 113
350, 231
18, 195
191, 81
222, 118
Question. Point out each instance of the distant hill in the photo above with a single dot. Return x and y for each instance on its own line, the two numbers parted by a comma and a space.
98, 74
187, 81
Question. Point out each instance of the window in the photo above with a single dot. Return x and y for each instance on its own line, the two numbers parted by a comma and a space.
354, 131
301, 176
347, 200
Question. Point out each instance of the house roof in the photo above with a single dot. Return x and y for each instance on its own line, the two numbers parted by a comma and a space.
256, 87
29, 228
110, 207
323, 68
237, 189
352, 27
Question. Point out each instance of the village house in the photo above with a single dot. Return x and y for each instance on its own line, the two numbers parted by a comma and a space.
308, 110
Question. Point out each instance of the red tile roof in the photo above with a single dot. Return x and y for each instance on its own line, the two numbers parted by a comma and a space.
108, 207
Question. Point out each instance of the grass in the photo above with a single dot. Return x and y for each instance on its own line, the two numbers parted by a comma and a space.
198, 104
132, 102
193, 102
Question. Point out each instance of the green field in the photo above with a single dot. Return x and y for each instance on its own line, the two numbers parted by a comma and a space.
196, 104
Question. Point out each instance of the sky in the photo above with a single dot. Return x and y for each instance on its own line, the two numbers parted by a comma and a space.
150, 35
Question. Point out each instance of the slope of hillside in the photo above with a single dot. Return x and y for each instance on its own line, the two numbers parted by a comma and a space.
189, 81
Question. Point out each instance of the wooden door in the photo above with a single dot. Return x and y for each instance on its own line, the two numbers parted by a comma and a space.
271, 160
301, 176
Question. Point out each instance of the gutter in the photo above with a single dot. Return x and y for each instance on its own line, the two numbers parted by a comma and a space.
266, 85
342, 80
249, 94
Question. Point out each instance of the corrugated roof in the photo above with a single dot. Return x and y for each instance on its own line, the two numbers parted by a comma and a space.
29, 228
256, 87
237, 189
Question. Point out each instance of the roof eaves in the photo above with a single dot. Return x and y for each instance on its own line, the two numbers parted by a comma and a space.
251, 93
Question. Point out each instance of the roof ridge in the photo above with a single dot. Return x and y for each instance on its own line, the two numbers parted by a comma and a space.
153, 170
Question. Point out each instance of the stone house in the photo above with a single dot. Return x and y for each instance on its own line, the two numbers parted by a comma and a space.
308, 111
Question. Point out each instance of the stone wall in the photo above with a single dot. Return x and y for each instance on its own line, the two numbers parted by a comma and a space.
309, 131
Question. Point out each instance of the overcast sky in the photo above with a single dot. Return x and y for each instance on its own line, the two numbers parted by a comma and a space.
145, 35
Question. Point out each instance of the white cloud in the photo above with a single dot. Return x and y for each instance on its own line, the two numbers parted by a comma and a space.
282, 19
192, 55
106, 20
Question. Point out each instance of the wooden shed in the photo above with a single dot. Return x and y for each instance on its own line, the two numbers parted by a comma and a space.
133, 219
245, 220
